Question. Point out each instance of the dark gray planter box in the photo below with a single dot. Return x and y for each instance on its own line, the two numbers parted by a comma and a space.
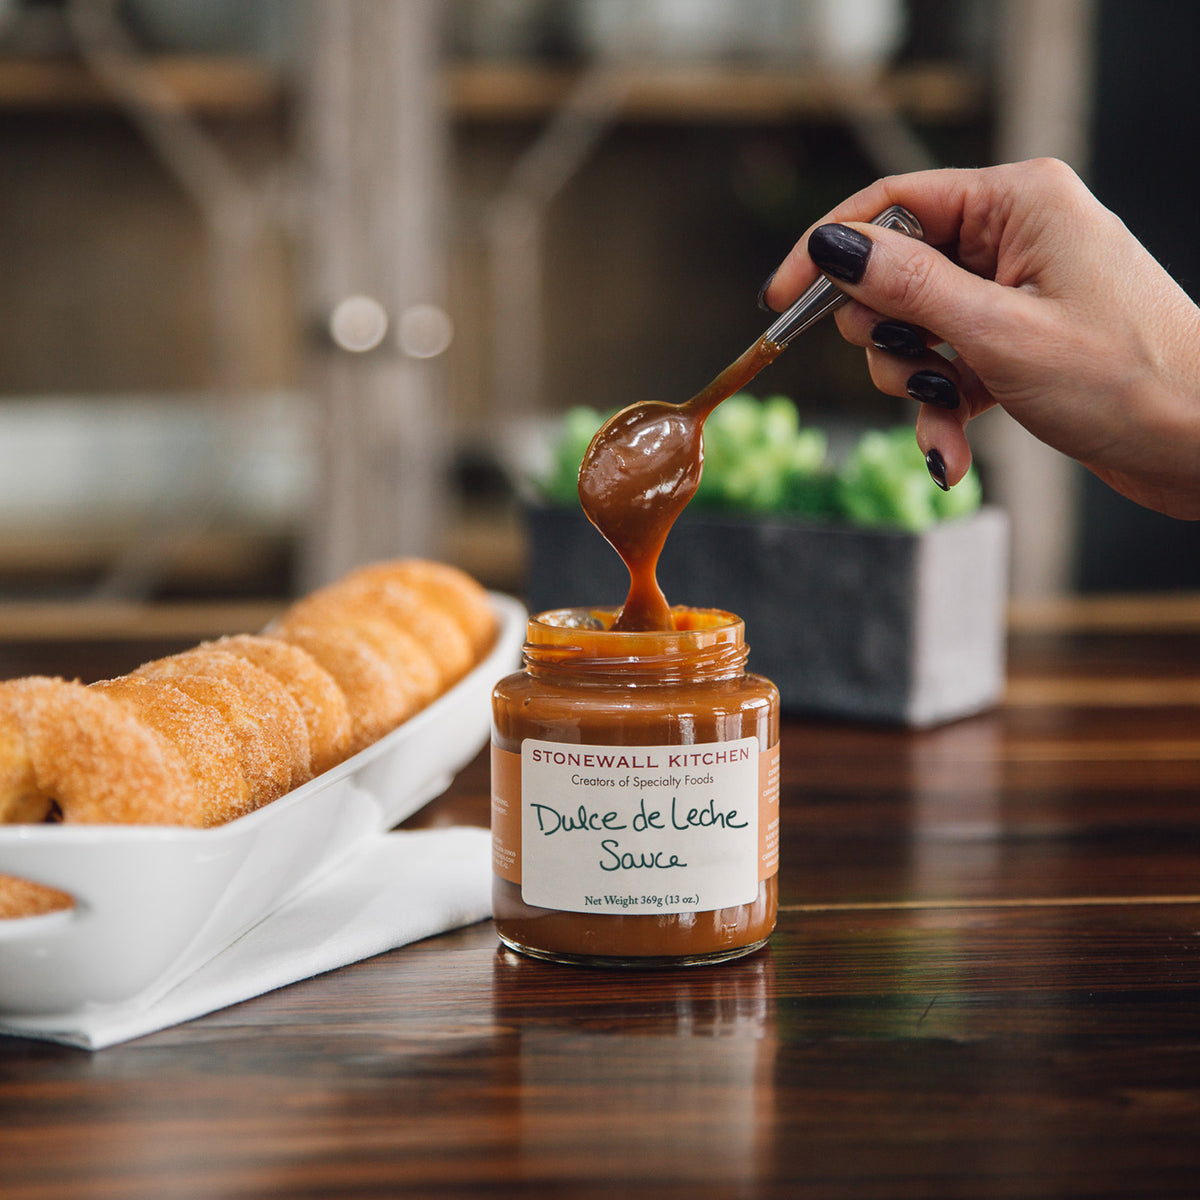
865, 624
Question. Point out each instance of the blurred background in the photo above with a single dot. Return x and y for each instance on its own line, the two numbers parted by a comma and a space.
290, 284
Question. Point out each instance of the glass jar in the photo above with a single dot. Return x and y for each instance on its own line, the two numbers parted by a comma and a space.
635, 793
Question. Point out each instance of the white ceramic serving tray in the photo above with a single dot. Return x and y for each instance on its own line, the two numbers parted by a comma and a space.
153, 904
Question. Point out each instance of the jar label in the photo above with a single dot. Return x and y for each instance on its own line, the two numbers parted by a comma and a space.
636, 829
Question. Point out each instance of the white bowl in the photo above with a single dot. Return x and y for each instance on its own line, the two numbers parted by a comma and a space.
153, 904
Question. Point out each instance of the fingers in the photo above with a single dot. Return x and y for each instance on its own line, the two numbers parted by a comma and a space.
943, 441
966, 211
997, 277
942, 417
910, 297
937, 197
950, 395
902, 362
863, 326
907, 280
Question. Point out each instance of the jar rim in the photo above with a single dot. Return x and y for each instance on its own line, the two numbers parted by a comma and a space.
692, 625
710, 644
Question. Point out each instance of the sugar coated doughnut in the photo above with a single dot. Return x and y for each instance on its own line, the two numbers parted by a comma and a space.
90, 760
321, 702
21, 801
200, 736
441, 586
265, 762
376, 697
260, 712
442, 643
22, 898
413, 662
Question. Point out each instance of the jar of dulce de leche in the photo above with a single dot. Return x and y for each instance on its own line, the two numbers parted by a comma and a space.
635, 793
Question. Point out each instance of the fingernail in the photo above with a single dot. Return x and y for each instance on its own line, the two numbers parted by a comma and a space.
931, 388
762, 292
840, 251
897, 338
937, 469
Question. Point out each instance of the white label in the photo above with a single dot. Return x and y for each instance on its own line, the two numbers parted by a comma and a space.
639, 829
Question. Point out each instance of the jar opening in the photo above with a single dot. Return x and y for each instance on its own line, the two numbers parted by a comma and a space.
705, 644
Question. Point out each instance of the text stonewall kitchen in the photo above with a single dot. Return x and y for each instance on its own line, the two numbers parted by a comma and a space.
672, 759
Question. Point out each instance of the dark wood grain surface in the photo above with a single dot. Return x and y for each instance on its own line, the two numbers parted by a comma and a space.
985, 983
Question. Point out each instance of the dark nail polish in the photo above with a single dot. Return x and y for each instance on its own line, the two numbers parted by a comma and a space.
762, 292
840, 251
937, 469
895, 337
931, 388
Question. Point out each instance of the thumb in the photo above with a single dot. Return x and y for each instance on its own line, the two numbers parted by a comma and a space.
901, 277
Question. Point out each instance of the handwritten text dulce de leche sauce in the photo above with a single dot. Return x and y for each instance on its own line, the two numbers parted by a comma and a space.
635, 772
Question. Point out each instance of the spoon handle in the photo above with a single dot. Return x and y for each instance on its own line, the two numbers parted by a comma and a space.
823, 296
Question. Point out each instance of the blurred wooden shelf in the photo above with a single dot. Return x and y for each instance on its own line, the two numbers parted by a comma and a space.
656, 92
208, 85
92, 640
81, 621
491, 546
499, 91
1173, 612
187, 557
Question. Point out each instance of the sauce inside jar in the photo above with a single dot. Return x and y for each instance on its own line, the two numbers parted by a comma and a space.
635, 793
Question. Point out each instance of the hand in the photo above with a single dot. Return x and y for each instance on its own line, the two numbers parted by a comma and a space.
1056, 312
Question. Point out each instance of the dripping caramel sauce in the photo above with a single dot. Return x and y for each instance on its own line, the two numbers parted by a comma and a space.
639, 473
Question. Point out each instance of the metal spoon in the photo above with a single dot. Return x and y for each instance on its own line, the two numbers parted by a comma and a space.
643, 465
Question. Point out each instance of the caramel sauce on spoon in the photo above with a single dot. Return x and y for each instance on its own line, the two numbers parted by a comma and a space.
644, 464
640, 471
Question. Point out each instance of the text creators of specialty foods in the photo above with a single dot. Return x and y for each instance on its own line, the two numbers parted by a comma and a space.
627, 781
591, 817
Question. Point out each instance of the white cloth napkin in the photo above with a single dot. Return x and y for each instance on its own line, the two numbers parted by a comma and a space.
399, 888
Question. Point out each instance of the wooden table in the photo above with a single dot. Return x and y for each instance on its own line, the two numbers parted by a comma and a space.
985, 982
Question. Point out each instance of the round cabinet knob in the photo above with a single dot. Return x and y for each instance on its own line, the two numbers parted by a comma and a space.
358, 324
424, 331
